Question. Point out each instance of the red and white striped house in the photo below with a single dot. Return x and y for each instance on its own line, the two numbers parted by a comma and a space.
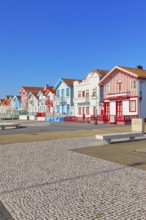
124, 95
24, 92
49, 92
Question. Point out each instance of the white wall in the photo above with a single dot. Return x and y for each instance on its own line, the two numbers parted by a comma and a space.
41, 103
112, 108
89, 83
126, 107
32, 107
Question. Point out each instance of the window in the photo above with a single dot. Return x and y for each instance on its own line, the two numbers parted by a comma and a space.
57, 92
67, 92
79, 110
107, 88
87, 93
94, 92
58, 108
79, 94
133, 84
132, 105
87, 110
63, 108
119, 85
83, 93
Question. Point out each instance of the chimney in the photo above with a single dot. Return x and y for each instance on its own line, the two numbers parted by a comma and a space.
139, 67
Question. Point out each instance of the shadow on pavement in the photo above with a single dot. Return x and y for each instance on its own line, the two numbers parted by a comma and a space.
4, 214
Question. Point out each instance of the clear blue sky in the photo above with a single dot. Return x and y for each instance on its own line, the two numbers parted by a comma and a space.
44, 40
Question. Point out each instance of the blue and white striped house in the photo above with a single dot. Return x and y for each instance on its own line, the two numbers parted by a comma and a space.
15, 102
64, 97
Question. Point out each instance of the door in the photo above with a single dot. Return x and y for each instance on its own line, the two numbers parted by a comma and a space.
119, 110
106, 111
84, 113
94, 111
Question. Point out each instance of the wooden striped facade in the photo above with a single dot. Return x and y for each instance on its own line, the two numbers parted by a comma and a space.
122, 98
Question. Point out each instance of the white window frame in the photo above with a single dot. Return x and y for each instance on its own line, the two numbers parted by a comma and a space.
133, 84
107, 88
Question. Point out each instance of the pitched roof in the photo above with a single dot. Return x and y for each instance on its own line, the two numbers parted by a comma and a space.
29, 88
9, 96
2, 101
34, 93
70, 81
18, 96
138, 72
102, 73
51, 89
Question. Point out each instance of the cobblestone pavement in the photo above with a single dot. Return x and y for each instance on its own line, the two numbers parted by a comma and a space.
46, 181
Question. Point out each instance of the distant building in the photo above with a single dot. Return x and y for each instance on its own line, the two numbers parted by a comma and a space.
32, 102
15, 102
64, 97
24, 92
49, 93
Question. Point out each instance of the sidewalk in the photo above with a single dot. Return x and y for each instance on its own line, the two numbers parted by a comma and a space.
127, 153
18, 138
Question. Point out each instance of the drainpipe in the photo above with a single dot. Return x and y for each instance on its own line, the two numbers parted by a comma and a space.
140, 98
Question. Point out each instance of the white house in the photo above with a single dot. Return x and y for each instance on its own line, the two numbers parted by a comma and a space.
124, 95
88, 96
32, 101
41, 101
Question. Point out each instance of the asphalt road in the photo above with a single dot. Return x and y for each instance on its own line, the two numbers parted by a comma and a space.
28, 127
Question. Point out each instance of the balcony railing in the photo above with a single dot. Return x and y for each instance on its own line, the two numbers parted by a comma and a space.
125, 118
61, 99
118, 118
82, 100
119, 95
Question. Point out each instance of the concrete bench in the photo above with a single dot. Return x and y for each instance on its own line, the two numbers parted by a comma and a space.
108, 137
4, 125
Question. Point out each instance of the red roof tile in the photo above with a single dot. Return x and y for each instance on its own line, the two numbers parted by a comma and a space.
102, 73
29, 88
70, 81
138, 72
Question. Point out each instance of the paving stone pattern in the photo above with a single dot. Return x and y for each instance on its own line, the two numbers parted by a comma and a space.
46, 181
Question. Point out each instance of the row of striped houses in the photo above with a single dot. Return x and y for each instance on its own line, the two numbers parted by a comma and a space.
103, 96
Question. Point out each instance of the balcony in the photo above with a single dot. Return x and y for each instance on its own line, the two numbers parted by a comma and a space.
118, 95
82, 100
61, 99
49, 102
31, 102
